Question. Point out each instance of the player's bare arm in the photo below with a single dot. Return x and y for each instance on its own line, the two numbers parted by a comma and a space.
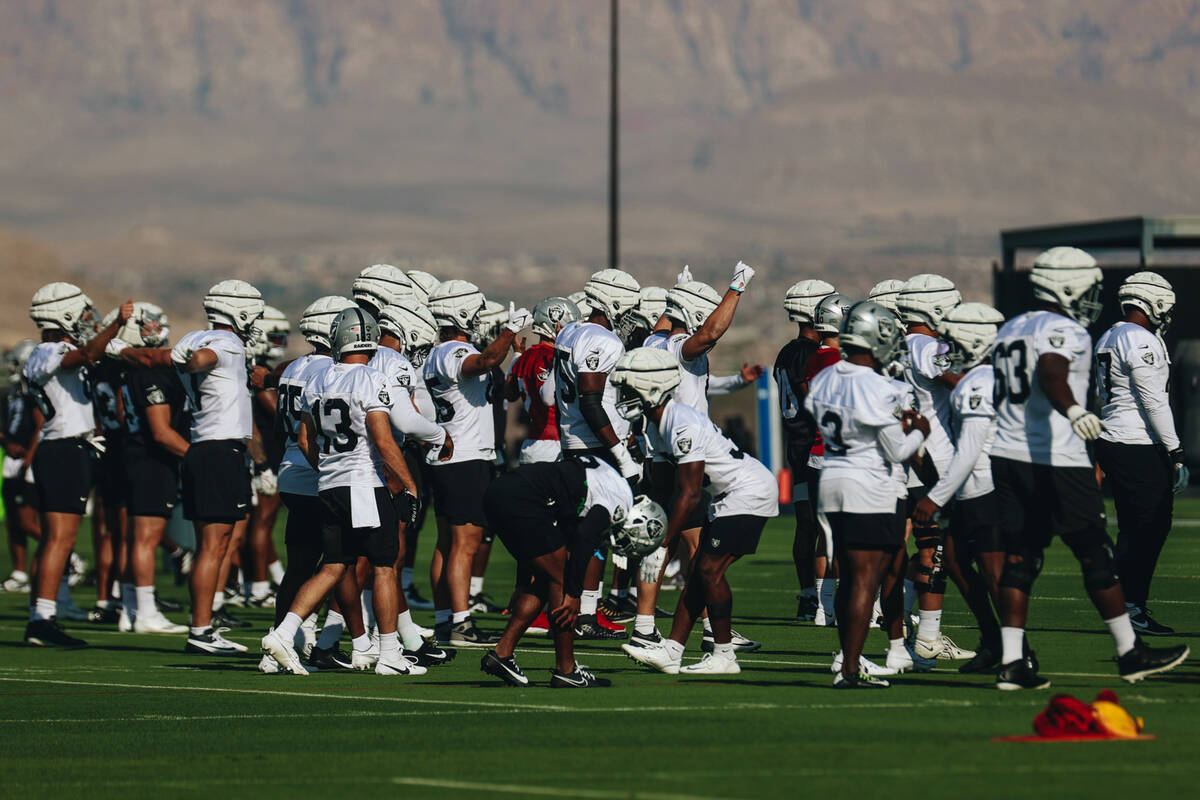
94, 349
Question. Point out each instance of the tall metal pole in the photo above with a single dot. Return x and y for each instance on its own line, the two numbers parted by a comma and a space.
614, 254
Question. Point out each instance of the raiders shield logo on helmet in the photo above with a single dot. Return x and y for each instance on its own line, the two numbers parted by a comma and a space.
975, 401
653, 527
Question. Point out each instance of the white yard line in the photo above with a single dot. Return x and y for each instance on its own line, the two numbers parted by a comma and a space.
549, 791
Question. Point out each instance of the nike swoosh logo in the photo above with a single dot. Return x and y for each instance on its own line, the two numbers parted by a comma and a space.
571, 681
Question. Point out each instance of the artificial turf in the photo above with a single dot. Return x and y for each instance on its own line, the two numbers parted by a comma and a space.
133, 715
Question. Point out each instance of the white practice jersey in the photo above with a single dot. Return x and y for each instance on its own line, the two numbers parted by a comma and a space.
607, 489
220, 398
339, 399
464, 405
1132, 376
1027, 426
925, 359
656, 339
739, 483
903, 474
584, 347
971, 405
61, 394
693, 377
296, 475
854, 407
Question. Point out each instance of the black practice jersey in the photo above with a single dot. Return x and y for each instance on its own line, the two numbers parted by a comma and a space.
153, 387
800, 429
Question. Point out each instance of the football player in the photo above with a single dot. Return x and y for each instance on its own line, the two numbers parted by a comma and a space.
1045, 483
1139, 450
17, 437
866, 429
65, 454
108, 502
381, 285
745, 496
459, 378
529, 380
365, 490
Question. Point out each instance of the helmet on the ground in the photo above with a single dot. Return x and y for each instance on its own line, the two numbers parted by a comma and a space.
489, 323
885, 293
691, 303
644, 378
612, 291
802, 299
830, 312
581, 302
423, 283
970, 328
379, 285
641, 531
353, 331
456, 304
872, 327
1151, 294
413, 325
316, 319
234, 303
552, 314
1069, 278
64, 306
925, 299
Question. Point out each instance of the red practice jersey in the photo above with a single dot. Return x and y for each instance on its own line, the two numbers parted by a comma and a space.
824, 357
531, 369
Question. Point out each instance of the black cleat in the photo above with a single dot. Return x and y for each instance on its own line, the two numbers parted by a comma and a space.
986, 660
621, 610
505, 669
441, 633
168, 606
588, 628
331, 659
467, 634
659, 613
740, 643
581, 678
48, 633
645, 639
806, 608
104, 616
1146, 625
482, 604
1144, 660
223, 619
1020, 675
859, 681
430, 655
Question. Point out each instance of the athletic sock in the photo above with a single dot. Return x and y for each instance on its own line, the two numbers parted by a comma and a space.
1012, 642
368, 604
406, 575
441, 615
275, 570
218, 600
724, 650
460, 616
287, 629
19, 575
194, 631
144, 600
929, 627
410, 634
129, 599
476, 585
707, 625
827, 591
331, 631
389, 646
644, 624
43, 609
102, 604
260, 589
1122, 632
361, 644
897, 646
588, 601
674, 648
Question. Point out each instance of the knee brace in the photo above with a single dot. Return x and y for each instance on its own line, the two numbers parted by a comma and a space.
932, 539
721, 610
1022, 574
1093, 549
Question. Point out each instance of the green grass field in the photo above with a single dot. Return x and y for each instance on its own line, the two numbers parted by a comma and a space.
134, 716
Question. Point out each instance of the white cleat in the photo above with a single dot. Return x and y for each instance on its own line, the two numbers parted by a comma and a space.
398, 665
157, 623
125, 624
713, 664
865, 665
656, 657
16, 583
823, 618
363, 660
942, 648
908, 661
268, 665
426, 633
283, 652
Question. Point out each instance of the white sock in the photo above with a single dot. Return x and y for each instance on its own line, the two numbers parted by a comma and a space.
929, 626
724, 650
129, 599
368, 601
644, 623
144, 601
260, 589
910, 596
1122, 632
588, 601
673, 647
102, 604
218, 601
827, 591
287, 629
460, 616
194, 631
441, 615
476, 585
897, 646
707, 625
389, 646
331, 631
275, 570
410, 634
43, 609
19, 575
1012, 641
361, 644
406, 578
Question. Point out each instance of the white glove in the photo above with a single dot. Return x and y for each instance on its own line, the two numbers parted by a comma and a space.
684, 276
619, 561
652, 566
518, 319
630, 470
266, 483
115, 346
742, 274
1087, 426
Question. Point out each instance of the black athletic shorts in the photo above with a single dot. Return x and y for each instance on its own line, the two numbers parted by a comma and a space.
973, 523
1035, 502
19, 492
518, 514
110, 474
867, 531
343, 544
305, 516
735, 535
216, 482
151, 482
458, 491
65, 474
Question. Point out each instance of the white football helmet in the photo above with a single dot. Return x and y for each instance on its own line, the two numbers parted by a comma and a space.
553, 314
148, 327
691, 303
316, 319
64, 306
456, 304
413, 325
872, 327
925, 299
642, 531
1069, 278
379, 285
885, 293
612, 291
581, 302
423, 283
970, 328
275, 325
489, 323
827, 319
234, 303
1151, 294
645, 377
637, 324
802, 298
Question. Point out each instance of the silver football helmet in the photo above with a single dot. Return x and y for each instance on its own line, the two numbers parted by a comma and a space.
353, 331
1151, 294
872, 327
456, 304
640, 532
645, 377
802, 299
316, 319
234, 303
63, 306
1070, 279
925, 299
970, 328
691, 303
830, 312
553, 314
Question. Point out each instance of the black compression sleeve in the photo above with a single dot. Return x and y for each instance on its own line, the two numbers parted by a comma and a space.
581, 546
592, 409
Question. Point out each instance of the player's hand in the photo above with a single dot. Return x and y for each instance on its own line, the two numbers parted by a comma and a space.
258, 376
751, 372
521, 345
518, 319
742, 274
567, 614
266, 482
1087, 426
684, 276
924, 511
126, 312
911, 420
652, 566
408, 505
447, 451
14, 450
630, 470
1182, 476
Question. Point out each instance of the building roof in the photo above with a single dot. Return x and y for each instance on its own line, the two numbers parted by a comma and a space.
1143, 234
